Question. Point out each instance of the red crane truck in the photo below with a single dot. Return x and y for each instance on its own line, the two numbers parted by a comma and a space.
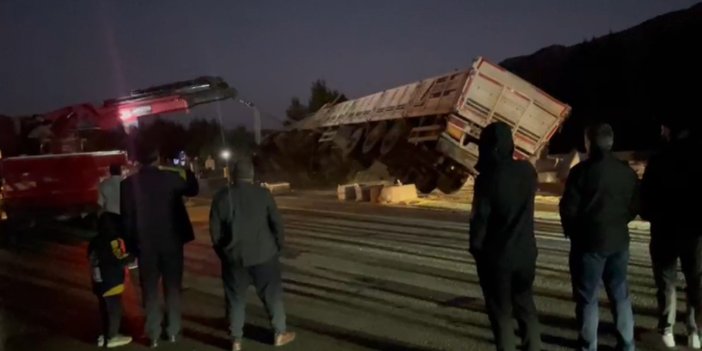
60, 179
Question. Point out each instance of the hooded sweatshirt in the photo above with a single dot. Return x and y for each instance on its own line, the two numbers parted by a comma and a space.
502, 222
670, 187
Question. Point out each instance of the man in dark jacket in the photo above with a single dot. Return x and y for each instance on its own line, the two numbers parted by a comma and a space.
667, 194
598, 203
247, 235
502, 238
156, 227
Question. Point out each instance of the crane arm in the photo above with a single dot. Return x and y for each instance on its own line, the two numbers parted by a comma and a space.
162, 99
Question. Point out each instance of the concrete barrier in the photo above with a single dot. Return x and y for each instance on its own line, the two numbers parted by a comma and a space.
277, 188
368, 192
346, 192
398, 193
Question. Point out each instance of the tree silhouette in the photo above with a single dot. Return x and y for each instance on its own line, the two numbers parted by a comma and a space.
320, 95
297, 111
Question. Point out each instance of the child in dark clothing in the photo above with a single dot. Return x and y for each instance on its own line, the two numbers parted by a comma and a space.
108, 259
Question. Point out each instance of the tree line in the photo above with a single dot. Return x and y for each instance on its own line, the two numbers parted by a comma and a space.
320, 95
200, 138
204, 137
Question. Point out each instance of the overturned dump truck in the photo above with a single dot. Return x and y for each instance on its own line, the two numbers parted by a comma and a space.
425, 132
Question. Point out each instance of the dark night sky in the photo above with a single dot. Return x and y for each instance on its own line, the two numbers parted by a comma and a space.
54, 53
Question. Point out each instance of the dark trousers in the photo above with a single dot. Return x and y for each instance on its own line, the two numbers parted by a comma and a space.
167, 266
110, 315
266, 279
587, 269
665, 252
508, 293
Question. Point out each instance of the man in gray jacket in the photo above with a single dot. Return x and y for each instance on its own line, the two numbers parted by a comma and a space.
247, 234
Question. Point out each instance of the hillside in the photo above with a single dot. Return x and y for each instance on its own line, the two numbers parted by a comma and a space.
632, 79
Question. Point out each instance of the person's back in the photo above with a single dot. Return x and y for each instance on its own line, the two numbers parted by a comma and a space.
254, 233
510, 226
606, 190
598, 203
107, 260
158, 217
157, 226
108, 190
670, 185
247, 235
502, 238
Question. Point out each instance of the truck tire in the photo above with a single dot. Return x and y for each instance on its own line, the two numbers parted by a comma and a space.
374, 138
394, 138
426, 181
448, 184
352, 145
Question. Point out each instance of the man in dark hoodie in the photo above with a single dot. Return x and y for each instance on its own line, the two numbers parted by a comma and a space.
667, 192
599, 201
157, 226
502, 238
247, 235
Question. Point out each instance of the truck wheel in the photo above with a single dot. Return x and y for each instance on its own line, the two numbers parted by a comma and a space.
353, 143
310, 142
279, 140
448, 184
374, 137
394, 137
426, 182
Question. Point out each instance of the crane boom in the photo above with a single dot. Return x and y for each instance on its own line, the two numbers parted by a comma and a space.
157, 100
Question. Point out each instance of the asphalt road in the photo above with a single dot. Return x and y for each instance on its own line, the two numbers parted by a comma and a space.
357, 277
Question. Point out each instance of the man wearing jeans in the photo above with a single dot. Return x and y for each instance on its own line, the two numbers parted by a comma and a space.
667, 190
599, 201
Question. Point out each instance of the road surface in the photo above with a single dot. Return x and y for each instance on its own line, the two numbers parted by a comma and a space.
357, 277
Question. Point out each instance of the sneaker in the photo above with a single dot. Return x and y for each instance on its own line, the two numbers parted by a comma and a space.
236, 345
101, 341
118, 340
285, 338
669, 340
693, 341
153, 343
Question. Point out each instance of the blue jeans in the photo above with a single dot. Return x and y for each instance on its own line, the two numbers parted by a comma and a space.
587, 270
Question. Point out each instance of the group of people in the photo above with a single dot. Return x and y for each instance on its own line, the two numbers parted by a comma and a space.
602, 196
144, 219
143, 222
